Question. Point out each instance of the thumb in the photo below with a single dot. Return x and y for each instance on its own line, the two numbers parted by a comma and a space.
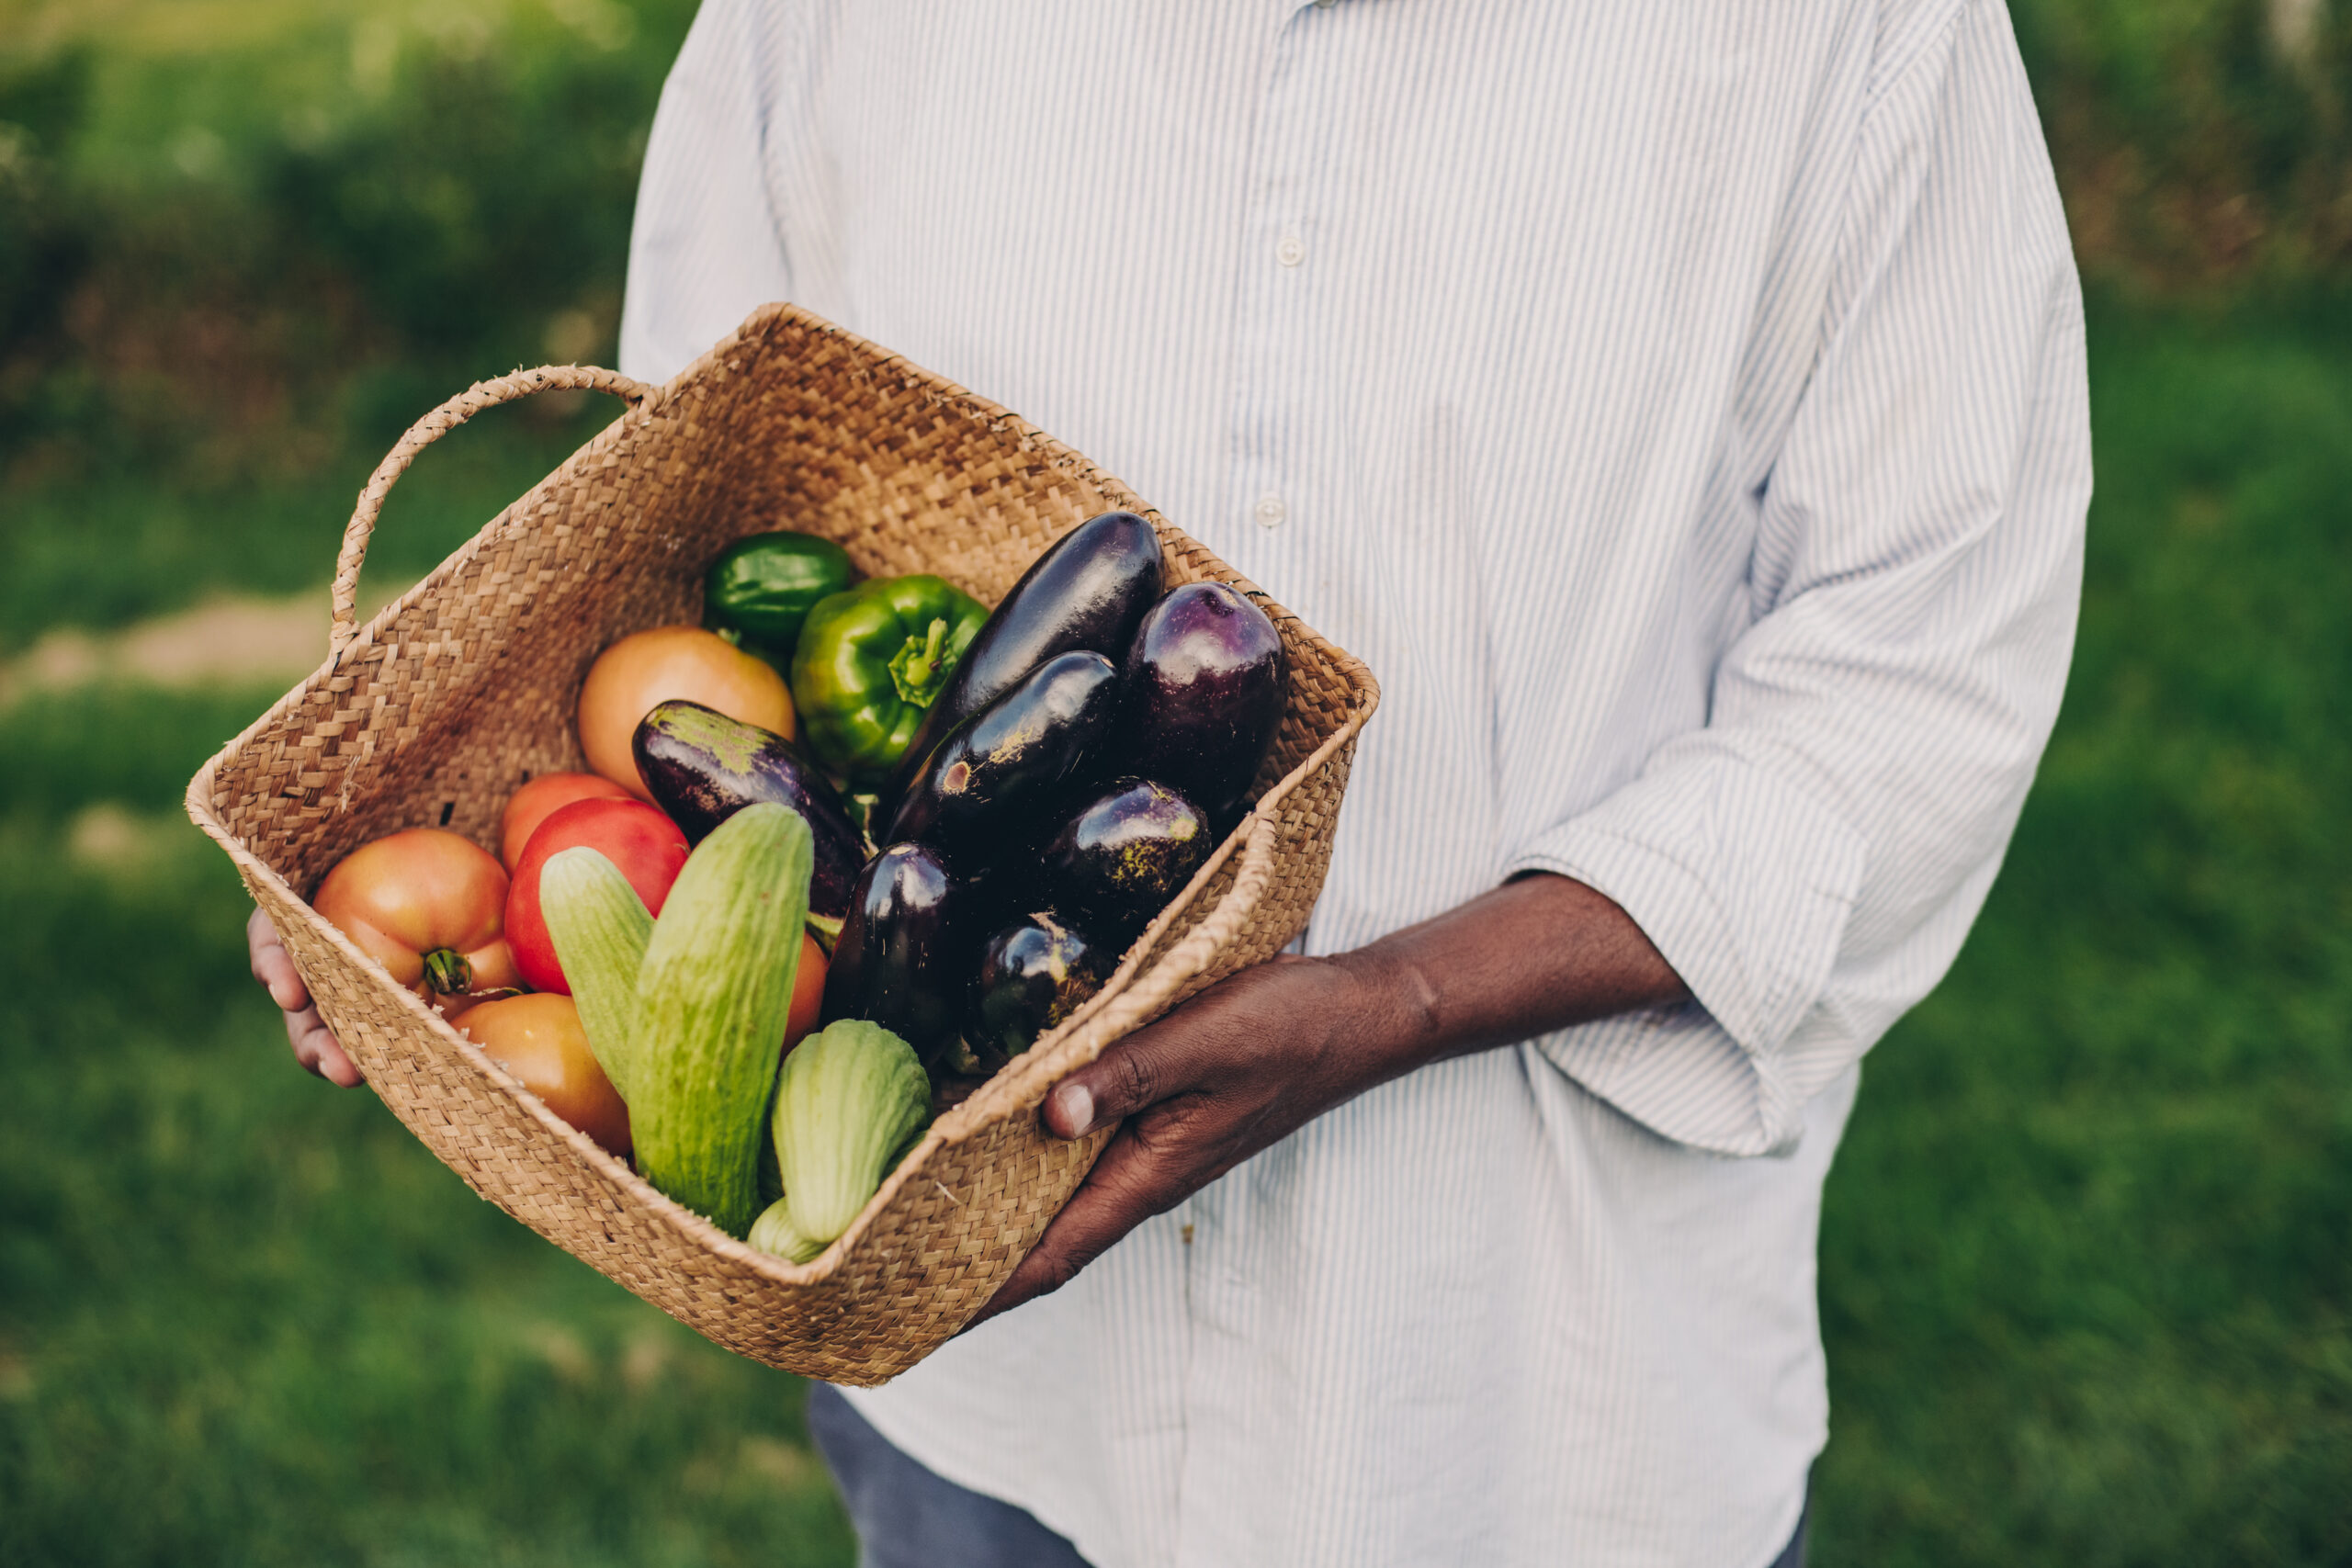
1123, 1080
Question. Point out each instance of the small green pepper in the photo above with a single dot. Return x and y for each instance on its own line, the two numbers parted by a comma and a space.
761, 589
869, 663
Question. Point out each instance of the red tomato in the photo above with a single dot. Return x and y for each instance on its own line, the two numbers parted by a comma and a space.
531, 804
647, 847
807, 993
539, 1040
636, 674
429, 906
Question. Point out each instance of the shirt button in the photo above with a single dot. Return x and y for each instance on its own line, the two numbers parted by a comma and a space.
1291, 251
1325, 4
1270, 510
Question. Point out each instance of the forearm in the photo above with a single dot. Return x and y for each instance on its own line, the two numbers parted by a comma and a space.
1539, 953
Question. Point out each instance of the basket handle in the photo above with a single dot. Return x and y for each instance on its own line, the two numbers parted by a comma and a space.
424, 432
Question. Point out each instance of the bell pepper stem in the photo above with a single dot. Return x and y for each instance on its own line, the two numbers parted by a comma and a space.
447, 971
914, 669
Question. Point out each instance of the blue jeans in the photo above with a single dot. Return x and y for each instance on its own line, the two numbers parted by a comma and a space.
908, 1517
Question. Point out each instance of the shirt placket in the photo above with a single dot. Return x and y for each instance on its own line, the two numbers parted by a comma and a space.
1271, 496
1272, 500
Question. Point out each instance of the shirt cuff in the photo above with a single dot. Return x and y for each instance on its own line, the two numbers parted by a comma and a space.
1744, 883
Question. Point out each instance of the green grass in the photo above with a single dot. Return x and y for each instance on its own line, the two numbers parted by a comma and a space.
2086, 1270
244, 1316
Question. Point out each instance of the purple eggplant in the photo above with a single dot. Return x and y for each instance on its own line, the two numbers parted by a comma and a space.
1001, 779
1087, 592
703, 767
1206, 679
904, 957
1033, 975
1117, 863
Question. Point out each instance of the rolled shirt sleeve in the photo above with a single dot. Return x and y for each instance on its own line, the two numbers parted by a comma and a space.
1810, 860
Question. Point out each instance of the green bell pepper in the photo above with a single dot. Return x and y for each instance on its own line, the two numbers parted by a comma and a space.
871, 660
761, 589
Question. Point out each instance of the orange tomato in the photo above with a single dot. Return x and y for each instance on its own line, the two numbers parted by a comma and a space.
647, 668
430, 906
529, 807
539, 1040
807, 993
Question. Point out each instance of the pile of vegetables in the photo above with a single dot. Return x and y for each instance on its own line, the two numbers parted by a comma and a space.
698, 954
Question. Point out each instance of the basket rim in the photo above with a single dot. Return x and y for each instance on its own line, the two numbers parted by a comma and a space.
1131, 993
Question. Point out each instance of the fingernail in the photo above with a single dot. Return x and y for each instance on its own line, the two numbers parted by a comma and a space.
1078, 1108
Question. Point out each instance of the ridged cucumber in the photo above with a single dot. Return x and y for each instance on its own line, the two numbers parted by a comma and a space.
600, 929
712, 998
773, 1233
848, 1104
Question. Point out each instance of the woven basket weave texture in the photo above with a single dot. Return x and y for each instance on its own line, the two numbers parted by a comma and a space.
435, 712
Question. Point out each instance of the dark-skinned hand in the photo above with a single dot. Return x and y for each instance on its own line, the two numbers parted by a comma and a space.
1254, 1058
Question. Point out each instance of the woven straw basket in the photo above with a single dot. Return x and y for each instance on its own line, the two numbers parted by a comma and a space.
437, 709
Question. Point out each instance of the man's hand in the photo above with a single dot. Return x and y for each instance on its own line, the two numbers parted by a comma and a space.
1240, 1067
1248, 1062
315, 1045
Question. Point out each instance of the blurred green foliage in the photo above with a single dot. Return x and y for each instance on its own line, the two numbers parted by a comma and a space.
2085, 1276
2202, 144
242, 244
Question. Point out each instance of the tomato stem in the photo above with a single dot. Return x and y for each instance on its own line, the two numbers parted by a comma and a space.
447, 971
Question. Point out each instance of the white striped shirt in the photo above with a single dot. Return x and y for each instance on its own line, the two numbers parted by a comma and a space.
1680, 405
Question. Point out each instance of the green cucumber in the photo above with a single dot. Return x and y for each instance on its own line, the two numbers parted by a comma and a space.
713, 995
600, 929
773, 1233
849, 1102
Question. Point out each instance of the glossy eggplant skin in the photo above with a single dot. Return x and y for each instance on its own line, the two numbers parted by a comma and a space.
1088, 591
703, 767
1206, 681
1117, 861
1033, 973
1001, 778
903, 960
